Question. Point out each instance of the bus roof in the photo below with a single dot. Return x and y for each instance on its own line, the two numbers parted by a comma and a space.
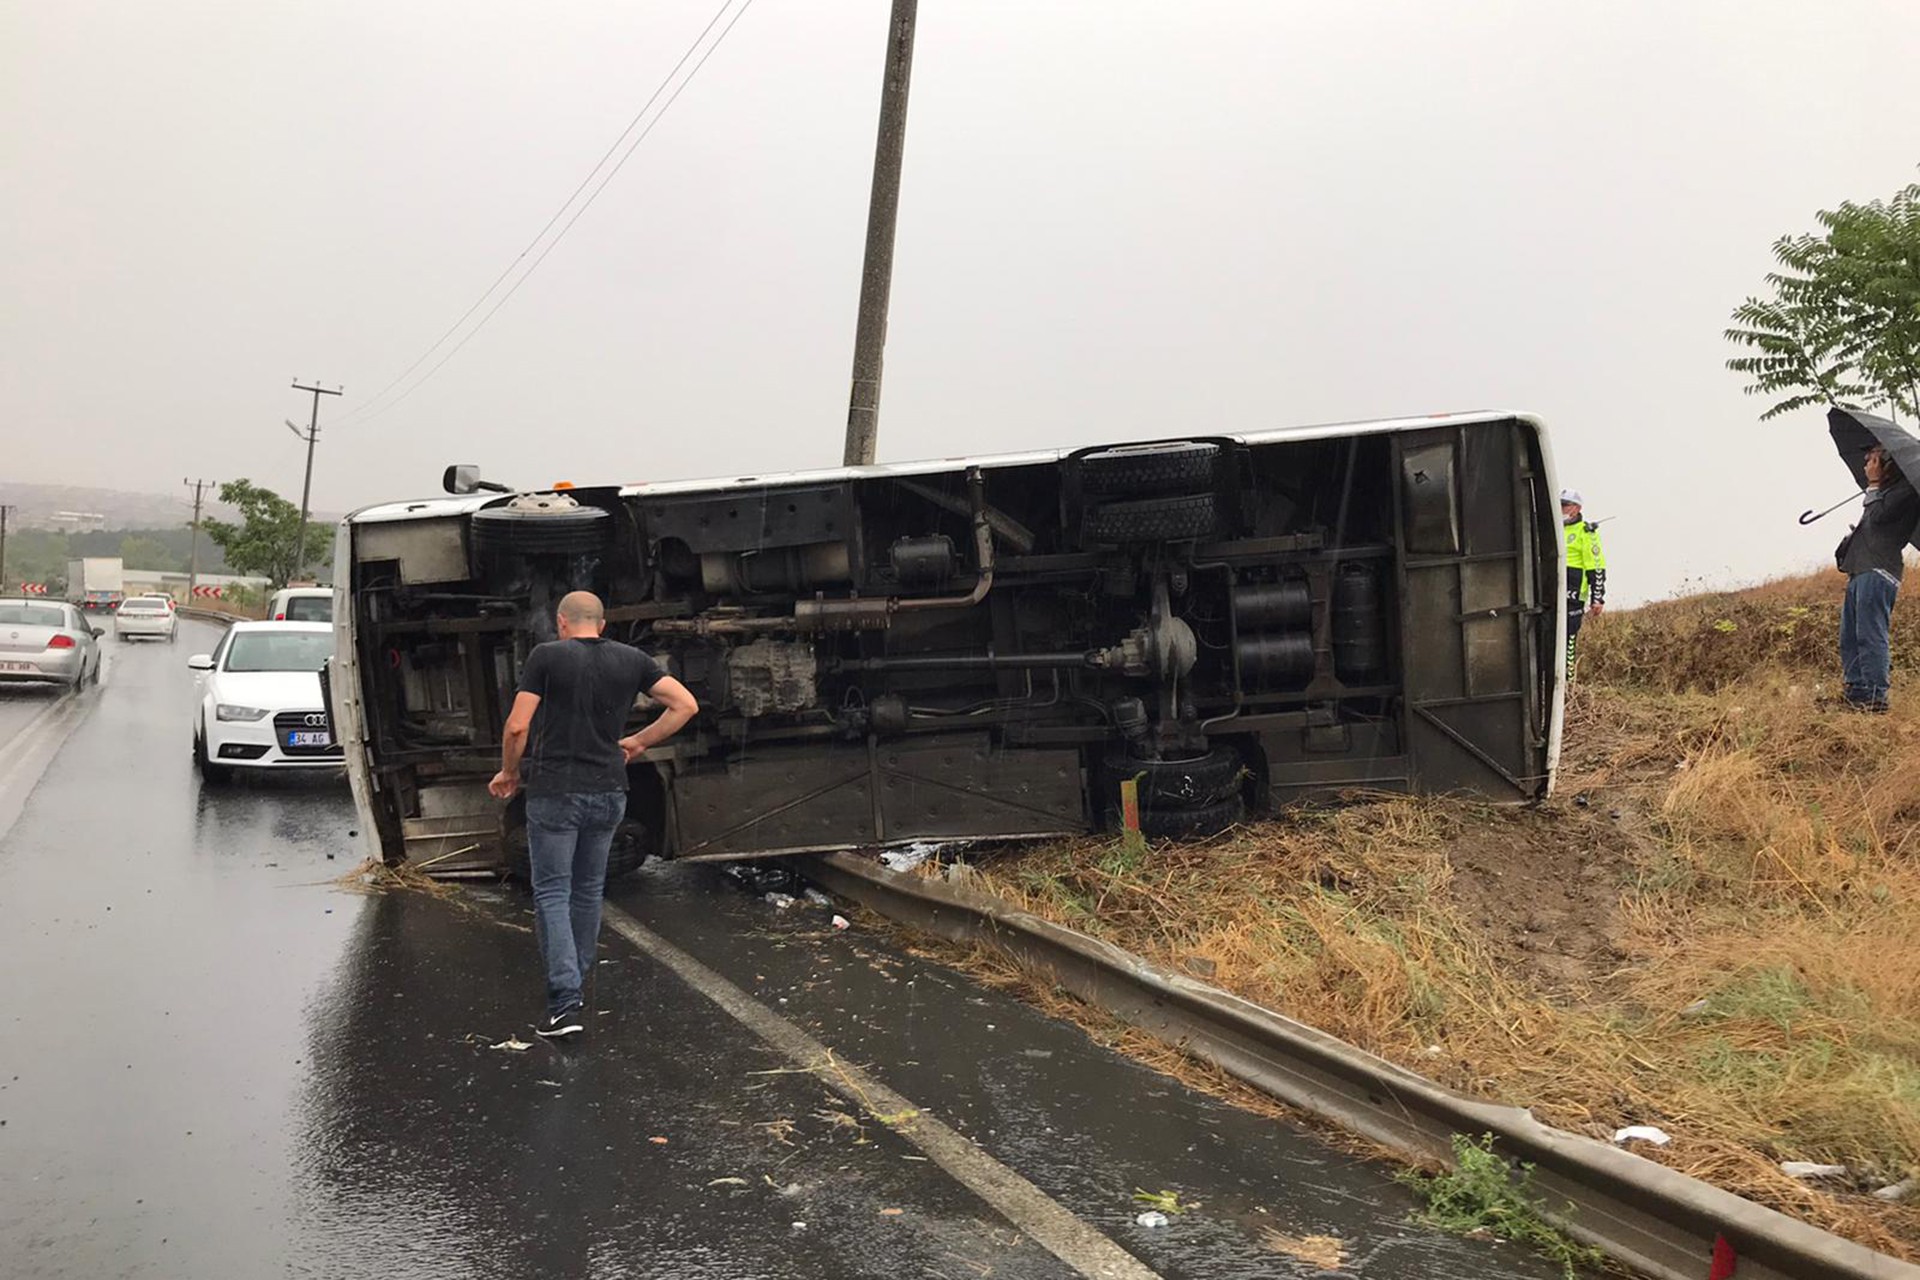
427, 508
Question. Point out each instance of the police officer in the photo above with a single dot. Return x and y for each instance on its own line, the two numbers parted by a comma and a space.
1586, 569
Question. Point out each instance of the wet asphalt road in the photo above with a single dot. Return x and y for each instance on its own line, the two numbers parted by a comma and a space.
21, 704
217, 1063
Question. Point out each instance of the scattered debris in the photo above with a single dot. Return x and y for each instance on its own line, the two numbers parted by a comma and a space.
1642, 1133
818, 898
781, 900
728, 1182
911, 856
1899, 1191
1152, 1218
841, 922
1165, 1201
799, 1226
891, 1213
1329, 1253
555, 1084
1697, 1008
1808, 1169
761, 877
658, 1142
518, 1046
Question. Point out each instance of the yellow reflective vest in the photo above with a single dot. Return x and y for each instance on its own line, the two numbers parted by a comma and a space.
1588, 559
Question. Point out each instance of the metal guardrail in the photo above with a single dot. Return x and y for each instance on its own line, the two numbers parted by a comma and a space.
208, 615
1648, 1216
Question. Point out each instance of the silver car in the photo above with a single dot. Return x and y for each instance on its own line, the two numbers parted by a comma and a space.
47, 642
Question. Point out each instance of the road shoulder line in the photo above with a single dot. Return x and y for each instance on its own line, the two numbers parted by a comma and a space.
1050, 1224
25, 759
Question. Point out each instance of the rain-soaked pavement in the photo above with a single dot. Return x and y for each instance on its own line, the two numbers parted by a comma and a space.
216, 1063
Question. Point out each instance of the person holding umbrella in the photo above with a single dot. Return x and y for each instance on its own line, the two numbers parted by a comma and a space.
1881, 456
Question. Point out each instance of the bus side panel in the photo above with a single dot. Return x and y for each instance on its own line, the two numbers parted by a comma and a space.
1473, 608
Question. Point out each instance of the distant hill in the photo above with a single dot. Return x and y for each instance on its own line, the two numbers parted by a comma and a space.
35, 504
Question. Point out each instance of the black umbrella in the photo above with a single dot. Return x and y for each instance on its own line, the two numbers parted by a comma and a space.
1855, 433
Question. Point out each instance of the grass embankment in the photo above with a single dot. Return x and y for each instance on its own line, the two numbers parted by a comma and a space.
1714, 926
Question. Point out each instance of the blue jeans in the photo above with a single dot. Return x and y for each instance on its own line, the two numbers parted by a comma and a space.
568, 836
1866, 663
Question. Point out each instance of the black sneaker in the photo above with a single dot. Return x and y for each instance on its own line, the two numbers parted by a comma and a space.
567, 1022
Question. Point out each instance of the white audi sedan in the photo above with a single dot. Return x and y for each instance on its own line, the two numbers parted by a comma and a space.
260, 706
149, 616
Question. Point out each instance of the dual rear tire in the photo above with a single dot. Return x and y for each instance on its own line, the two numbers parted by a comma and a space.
1185, 798
1151, 492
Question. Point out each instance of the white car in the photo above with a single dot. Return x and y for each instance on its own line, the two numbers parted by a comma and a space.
301, 604
260, 706
149, 616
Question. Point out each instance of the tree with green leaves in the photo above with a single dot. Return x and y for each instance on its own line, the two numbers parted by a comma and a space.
1841, 324
263, 541
140, 552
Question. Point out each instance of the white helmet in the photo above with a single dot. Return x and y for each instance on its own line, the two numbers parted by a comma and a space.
1571, 497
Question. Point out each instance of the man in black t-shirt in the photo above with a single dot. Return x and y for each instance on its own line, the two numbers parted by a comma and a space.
567, 720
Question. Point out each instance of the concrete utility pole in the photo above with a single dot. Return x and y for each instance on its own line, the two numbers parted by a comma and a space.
193, 565
311, 435
4, 511
876, 280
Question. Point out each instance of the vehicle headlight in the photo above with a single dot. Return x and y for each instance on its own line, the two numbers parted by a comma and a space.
228, 711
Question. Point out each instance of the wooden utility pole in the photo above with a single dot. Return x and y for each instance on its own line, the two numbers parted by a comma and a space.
193, 563
306, 489
883, 208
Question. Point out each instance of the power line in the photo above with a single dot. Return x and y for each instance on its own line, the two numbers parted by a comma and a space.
372, 407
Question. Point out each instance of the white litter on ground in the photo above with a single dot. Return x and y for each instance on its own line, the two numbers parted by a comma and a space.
906, 859
1642, 1133
510, 1043
1808, 1169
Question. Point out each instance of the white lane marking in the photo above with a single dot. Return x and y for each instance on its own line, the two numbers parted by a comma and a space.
27, 756
1051, 1224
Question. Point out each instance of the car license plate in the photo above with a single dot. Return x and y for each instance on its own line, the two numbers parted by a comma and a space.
317, 738
18, 666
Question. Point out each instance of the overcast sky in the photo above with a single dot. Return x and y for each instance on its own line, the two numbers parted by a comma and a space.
1119, 220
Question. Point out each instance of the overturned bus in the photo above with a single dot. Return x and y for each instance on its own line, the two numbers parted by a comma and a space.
980, 648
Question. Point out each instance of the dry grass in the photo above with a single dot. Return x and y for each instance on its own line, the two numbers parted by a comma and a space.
1757, 989
1705, 643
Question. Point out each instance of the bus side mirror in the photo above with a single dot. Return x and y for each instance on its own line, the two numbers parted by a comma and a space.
463, 478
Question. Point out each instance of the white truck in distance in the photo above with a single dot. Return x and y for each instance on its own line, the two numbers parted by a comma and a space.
96, 582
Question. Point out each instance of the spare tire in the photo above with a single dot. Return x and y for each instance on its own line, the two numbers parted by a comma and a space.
1201, 820
551, 524
1171, 784
1186, 466
1181, 519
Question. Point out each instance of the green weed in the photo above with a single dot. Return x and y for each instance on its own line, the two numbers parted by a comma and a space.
1481, 1193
